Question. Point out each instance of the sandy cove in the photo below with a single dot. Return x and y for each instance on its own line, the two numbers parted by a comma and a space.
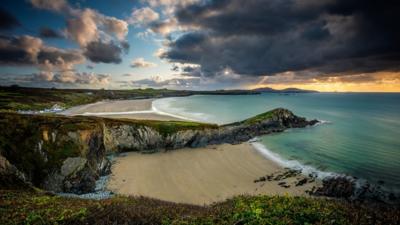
196, 176
200, 176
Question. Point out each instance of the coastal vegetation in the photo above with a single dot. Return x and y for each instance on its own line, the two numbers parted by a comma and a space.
38, 207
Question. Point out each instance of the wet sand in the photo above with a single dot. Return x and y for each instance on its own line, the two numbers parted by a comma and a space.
199, 176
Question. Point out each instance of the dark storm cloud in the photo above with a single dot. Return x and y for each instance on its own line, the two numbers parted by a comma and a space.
7, 20
258, 37
55, 56
28, 50
19, 50
101, 52
46, 32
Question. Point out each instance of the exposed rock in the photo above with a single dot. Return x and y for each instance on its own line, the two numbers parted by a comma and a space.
302, 182
10, 176
261, 179
54, 182
338, 187
283, 184
72, 165
83, 181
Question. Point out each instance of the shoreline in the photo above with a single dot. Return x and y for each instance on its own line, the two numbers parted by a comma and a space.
139, 109
204, 175
143, 109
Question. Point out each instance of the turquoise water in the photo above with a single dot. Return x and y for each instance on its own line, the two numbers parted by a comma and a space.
362, 137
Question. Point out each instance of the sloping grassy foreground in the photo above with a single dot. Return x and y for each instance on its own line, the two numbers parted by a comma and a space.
35, 207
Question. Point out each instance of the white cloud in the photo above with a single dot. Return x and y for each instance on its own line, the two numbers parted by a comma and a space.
116, 26
83, 29
141, 63
86, 25
143, 16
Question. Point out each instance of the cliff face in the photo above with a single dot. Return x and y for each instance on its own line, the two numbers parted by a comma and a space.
68, 154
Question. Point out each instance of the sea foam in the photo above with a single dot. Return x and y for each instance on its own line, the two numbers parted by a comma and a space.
292, 164
162, 106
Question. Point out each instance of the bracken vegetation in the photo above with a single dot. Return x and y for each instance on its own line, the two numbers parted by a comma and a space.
36, 207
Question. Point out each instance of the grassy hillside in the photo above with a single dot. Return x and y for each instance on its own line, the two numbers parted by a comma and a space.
35, 207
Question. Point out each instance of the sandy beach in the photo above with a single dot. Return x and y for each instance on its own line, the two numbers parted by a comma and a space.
196, 176
140, 109
200, 176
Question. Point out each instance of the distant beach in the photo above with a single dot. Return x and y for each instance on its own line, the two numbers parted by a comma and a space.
140, 109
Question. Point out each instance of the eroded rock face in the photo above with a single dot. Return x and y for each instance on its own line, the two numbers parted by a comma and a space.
10, 176
72, 165
132, 138
142, 138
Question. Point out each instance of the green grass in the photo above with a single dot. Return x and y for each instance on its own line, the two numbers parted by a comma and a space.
22, 207
260, 117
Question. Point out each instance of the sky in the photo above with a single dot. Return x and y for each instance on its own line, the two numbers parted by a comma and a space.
324, 45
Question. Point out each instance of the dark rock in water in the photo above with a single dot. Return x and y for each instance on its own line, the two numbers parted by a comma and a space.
381, 182
338, 187
302, 182
313, 122
392, 197
287, 174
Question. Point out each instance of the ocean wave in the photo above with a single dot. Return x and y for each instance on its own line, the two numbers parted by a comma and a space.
322, 122
292, 164
156, 110
177, 112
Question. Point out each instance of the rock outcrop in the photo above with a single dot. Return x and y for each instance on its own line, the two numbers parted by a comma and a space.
68, 154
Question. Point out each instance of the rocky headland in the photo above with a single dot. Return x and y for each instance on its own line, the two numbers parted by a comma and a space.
68, 154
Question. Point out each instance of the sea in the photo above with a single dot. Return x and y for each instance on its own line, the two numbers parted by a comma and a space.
359, 133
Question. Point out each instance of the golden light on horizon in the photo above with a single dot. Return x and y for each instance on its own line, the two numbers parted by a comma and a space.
374, 82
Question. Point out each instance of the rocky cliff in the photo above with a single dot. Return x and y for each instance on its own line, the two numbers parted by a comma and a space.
68, 154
